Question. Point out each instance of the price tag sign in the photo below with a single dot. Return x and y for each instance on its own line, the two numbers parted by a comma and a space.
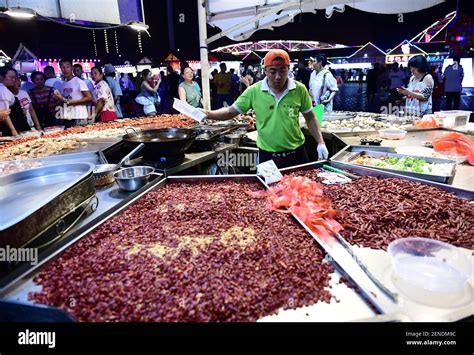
269, 171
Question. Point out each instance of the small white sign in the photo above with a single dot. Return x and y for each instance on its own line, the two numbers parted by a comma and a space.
188, 110
269, 171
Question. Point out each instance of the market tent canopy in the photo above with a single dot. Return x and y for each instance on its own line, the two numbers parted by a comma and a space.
369, 50
238, 20
4, 57
23, 54
103, 11
145, 60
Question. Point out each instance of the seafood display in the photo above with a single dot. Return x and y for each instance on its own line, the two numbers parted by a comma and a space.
456, 145
38, 148
68, 140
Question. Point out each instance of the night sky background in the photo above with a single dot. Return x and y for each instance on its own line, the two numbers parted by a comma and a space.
352, 27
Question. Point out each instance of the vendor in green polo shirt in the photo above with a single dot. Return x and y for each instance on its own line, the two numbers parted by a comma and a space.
277, 101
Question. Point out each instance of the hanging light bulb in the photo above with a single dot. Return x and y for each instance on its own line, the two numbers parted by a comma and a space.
106, 42
95, 42
116, 42
140, 41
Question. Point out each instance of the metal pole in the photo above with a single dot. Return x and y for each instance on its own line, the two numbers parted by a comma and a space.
206, 92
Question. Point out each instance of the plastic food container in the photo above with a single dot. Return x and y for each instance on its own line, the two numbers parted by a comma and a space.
430, 271
453, 118
392, 133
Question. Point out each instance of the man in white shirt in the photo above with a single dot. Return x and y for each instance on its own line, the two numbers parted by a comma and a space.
7, 99
79, 73
25, 103
322, 84
75, 95
51, 80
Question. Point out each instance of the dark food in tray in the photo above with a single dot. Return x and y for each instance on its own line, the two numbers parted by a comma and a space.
370, 141
189, 252
380, 210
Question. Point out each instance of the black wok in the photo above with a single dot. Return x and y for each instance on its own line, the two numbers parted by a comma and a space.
163, 142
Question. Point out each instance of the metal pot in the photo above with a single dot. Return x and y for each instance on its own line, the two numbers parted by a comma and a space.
163, 142
134, 178
103, 173
232, 138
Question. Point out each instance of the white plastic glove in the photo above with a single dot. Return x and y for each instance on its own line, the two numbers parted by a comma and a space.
322, 151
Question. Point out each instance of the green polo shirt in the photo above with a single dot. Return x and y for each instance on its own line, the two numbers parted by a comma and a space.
276, 120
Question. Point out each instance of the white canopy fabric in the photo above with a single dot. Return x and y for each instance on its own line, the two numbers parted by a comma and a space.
240, 19
103, 11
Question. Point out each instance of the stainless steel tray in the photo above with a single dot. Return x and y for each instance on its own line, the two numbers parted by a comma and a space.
351, 152
334, 117
31, 200
22, 165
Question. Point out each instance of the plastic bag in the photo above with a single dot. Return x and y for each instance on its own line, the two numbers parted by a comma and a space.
455, 145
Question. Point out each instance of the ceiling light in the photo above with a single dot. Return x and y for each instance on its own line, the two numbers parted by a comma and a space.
20, 12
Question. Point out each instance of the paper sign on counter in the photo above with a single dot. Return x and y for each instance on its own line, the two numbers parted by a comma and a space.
269, 171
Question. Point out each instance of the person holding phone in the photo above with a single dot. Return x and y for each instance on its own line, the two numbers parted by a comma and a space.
418, 94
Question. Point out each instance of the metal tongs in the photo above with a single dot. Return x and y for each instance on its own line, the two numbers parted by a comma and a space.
392, 295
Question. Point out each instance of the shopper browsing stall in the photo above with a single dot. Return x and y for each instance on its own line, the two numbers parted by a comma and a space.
26, 106
75, 95
51, 79
43, 100
277, 102
149, 97
19, 123
189, 90
104, 105
322, 84
109, 72
6, 100
420, 88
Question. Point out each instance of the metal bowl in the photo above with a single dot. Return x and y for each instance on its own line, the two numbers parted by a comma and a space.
232, 138
134, 178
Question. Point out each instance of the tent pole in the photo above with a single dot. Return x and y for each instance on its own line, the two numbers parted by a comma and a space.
206, 92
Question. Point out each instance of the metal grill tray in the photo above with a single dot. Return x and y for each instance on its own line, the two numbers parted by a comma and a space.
347, 155
31, 200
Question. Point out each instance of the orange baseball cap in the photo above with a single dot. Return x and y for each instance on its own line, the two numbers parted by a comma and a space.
276, 57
